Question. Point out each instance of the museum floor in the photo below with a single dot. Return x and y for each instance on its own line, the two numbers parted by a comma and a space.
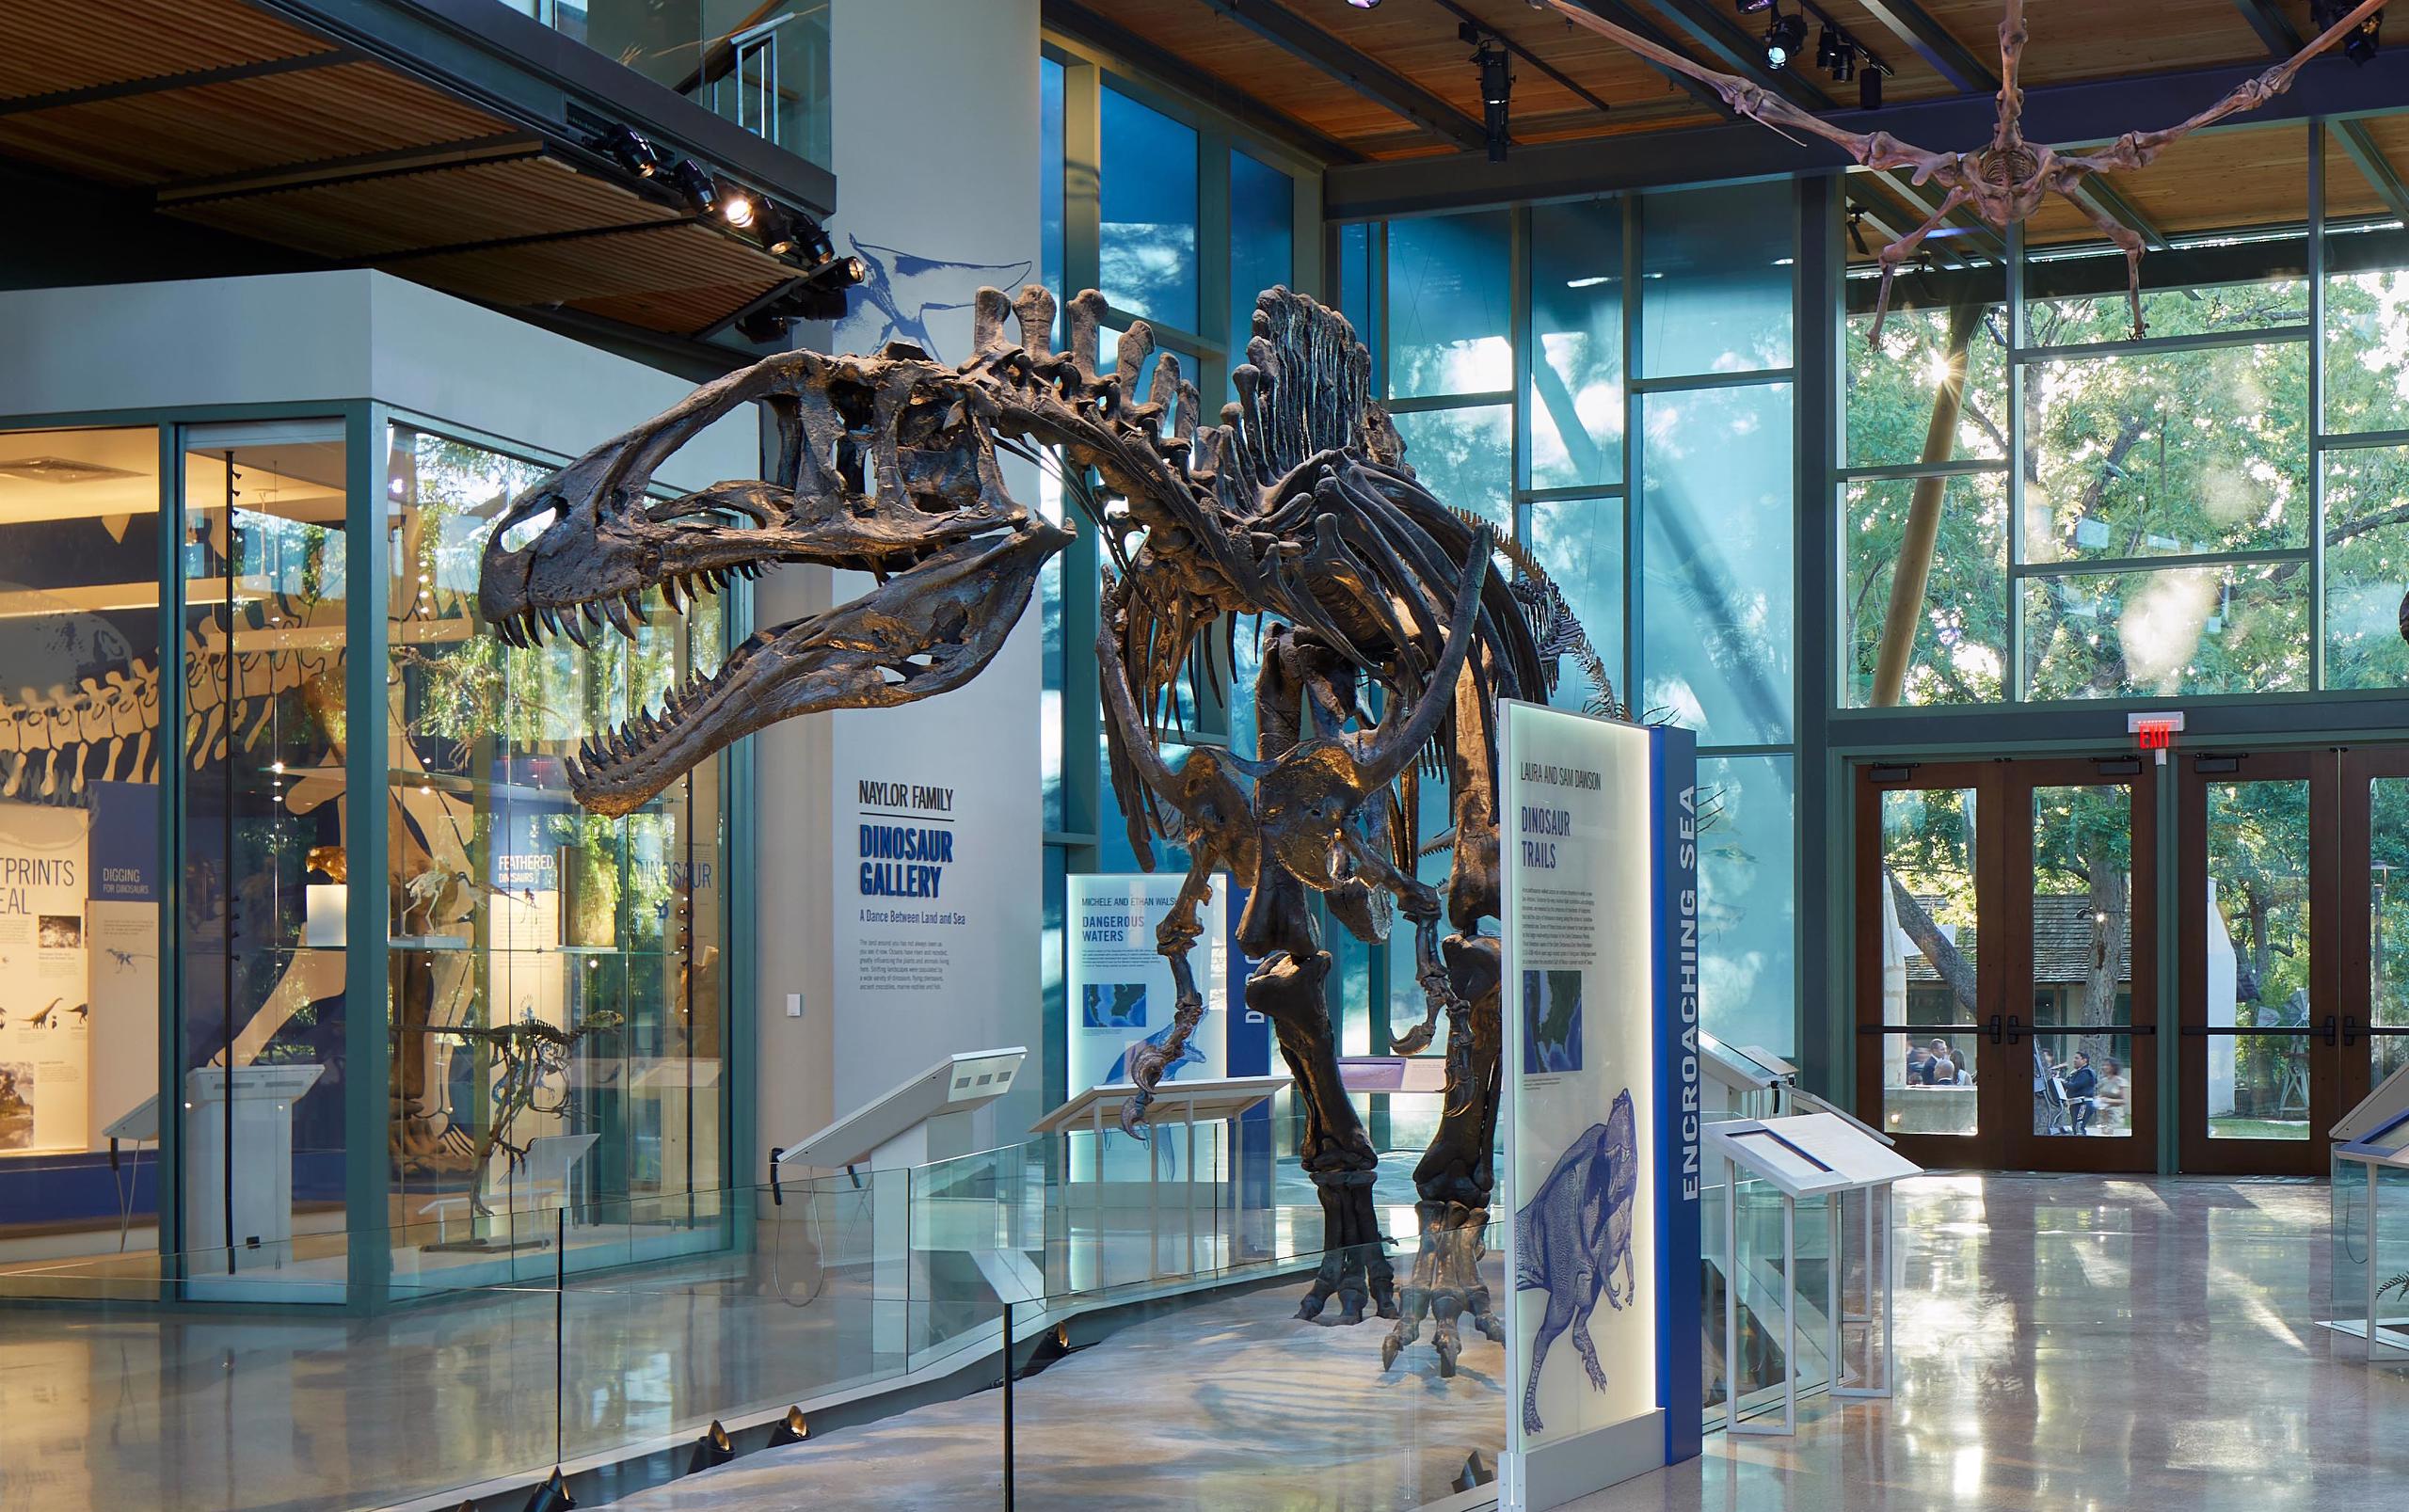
2065, 1343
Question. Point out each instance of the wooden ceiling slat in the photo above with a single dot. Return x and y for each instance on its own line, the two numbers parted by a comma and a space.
377, 217
56, 46
2076, 40
242, 126
683, 255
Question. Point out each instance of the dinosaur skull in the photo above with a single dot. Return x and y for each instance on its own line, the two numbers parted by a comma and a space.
886, 465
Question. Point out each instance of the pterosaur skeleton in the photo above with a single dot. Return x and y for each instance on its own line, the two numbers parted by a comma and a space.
2004, 182
1387, 628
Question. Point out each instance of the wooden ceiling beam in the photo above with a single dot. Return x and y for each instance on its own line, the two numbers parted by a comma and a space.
196, 79
1393, 91
1170, 69
1936, 44
344, 169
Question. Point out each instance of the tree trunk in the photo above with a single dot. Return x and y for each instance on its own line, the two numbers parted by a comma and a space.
2111, 898
1905, 611
1955, 971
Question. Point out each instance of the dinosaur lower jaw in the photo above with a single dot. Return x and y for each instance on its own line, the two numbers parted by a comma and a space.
925, 630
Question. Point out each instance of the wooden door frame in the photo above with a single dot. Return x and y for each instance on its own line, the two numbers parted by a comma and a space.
2353, 926
2198, 1153
1985, 1148
2138, 1150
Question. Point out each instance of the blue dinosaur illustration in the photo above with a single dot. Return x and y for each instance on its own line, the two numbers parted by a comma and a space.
1188, 1055
902, 290
1572, 1237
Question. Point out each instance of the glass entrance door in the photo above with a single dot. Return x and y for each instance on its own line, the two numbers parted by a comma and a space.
2371, 918
2257, 911
1930, 1032
2007, 1009
2081, 963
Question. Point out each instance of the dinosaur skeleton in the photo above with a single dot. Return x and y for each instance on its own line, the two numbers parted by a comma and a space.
2004, 182
1387, 632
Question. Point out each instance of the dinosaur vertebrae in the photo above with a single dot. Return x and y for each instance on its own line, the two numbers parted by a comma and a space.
107, 727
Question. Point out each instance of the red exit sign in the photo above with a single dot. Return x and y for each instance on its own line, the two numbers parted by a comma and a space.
2154, 731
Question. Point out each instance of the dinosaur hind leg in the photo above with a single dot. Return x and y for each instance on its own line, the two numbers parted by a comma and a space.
1559, 1316
1891, 256
2128, 241
1336, 1153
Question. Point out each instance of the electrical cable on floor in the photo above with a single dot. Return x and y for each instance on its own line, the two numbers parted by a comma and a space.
818, 1243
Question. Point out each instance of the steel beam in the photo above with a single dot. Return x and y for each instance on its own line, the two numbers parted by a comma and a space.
1108, 36
2274, 28
1936, 44
1736, 51
2275, 31
1393, 91
2096, 193
1632, 21
2373, 164
1522, 52
2094, 110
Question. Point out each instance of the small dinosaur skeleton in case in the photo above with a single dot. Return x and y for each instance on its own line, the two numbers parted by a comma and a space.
1387, 630
2004, 182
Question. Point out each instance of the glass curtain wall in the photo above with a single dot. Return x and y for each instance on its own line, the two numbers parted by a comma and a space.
1636, 431
546, 1059
2214, 509
80, 758
554, 991
1178, 220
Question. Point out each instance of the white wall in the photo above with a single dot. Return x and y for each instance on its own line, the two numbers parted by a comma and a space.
335, 337
937, 155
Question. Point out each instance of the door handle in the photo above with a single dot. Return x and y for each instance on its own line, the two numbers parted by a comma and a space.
2350, 1031
2327, 1032
1995, 1031
2015, 1028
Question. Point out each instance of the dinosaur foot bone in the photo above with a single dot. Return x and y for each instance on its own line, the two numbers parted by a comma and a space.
1354, 1257
1445, 1285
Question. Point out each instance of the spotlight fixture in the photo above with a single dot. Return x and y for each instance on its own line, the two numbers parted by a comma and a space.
2360, 46
1750, 8
631, 150
553, 1496
695, 183
792, 1428
1496, 68
714, 1448
1869, 87
1785, 36
736, 208
791, 233
1828, 48
1365, 5
819, 293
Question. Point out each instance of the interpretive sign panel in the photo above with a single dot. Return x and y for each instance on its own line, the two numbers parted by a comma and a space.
1121, 990
45, 1002
1598, 851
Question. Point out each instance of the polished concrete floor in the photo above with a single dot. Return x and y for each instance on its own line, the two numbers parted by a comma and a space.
2079, 1343
2072, 1343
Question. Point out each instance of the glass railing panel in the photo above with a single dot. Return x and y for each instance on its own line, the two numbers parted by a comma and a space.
763, 66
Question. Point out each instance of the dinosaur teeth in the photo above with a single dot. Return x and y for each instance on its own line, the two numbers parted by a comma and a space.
620, 619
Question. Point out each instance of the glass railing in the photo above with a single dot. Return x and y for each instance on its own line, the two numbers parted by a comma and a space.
817, 1323
761, 65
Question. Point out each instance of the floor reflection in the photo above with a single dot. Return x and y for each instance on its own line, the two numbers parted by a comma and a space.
2090, 1343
